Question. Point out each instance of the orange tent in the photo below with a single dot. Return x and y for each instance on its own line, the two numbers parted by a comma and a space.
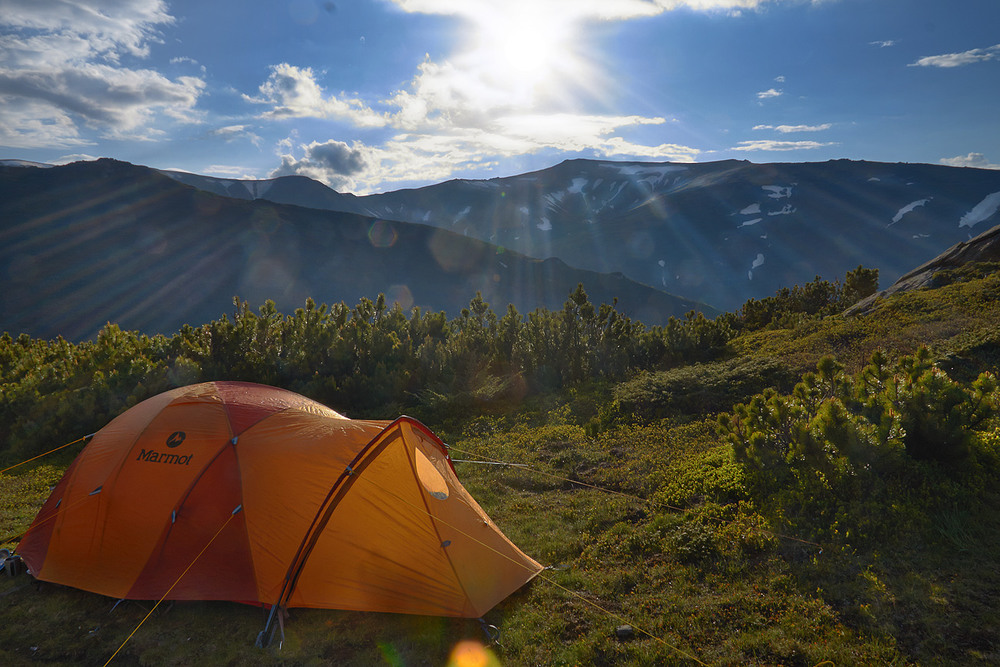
269, 497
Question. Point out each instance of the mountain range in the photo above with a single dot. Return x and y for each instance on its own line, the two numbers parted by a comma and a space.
715, 232
107, 241
92, 242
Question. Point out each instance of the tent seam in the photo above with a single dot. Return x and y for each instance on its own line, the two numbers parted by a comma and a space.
336, 493
434, 525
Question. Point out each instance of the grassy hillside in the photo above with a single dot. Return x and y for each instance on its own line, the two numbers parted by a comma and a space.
744, 491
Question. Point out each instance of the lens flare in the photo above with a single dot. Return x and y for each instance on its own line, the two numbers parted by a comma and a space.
383, 234
470, 653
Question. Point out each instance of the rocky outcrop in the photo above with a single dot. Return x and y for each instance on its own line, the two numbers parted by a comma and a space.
983, 248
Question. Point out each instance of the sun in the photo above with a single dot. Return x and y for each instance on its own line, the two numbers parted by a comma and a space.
526, 43
522, 45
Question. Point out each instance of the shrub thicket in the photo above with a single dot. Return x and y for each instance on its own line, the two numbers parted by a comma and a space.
365, 360
817, 298
869, 453
834, 424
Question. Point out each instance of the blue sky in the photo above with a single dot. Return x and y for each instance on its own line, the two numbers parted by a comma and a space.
376, 95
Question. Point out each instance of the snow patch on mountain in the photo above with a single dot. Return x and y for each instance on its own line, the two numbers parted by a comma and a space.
652, 176
555, 198
545, 225
752, 209
576, 187
750, 222
787, 209
778, 191
461, 215
906, 209
981, 211
621, 186
491, 184
757, 263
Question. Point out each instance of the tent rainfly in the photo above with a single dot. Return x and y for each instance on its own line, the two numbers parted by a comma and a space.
298, 506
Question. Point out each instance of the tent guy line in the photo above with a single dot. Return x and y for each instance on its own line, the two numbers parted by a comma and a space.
630, 496
542, 576
177, 581
38, 523
84, 439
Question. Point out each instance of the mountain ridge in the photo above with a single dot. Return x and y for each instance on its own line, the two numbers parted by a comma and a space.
717, 232
93, 242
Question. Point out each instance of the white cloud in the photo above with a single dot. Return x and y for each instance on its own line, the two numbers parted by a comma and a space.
231, 133
770, 92
780, 79
184, 60
768, 145
788, 129
292, 92
120, 101
62, 80
959, 59
883, 43
334, 162
447, 94
228, 171
110, 27
977, 160
30, 124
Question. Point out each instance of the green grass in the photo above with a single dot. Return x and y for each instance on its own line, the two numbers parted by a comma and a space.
21, 496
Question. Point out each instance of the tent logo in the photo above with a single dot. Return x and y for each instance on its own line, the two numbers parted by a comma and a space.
153, 456
176, 438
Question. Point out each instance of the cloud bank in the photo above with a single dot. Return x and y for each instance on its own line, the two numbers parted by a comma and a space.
62, 77
769, 145
977, 160
451, 117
